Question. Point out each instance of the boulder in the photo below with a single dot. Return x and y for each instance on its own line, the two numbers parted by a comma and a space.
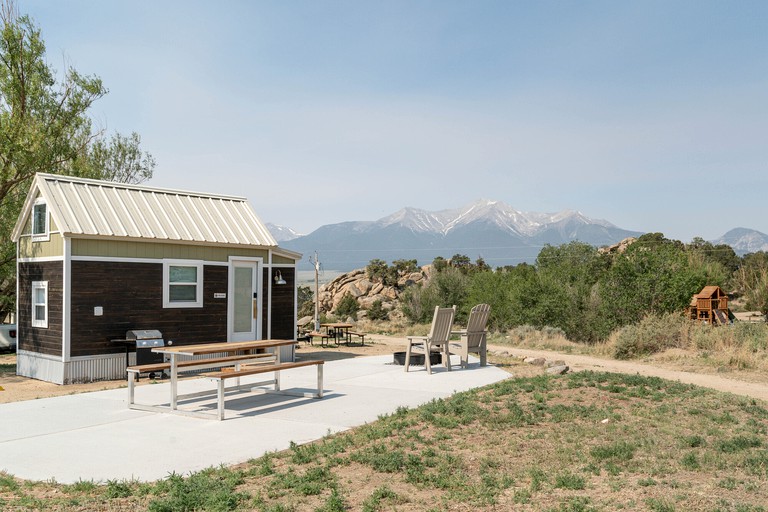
557, 370
366, 291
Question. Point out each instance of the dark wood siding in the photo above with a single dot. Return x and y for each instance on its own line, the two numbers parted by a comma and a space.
36, 339
132, 298
264, 303
283, 300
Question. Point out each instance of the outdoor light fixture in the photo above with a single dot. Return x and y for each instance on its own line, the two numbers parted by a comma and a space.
279, 278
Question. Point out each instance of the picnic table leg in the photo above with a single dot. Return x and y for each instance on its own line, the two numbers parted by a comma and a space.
174, 381
277, 380
221, 399
320, 381
131, 387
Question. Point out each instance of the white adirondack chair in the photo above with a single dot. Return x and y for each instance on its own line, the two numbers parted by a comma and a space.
436, 341
473, 340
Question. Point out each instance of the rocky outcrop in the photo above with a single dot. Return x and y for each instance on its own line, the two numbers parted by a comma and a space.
366, 291
618, 248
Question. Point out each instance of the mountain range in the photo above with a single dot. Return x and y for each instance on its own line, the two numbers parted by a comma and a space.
486, 229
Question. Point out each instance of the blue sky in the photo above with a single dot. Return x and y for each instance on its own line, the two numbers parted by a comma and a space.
651, 115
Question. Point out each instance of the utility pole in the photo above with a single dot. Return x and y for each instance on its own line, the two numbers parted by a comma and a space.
317, 292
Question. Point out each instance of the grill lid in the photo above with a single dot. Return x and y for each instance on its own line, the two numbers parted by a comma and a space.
143, 334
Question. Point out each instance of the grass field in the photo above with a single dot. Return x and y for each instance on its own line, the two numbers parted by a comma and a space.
581, 442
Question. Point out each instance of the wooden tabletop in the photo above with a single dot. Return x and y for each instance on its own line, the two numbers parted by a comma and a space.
338, 325
214, 348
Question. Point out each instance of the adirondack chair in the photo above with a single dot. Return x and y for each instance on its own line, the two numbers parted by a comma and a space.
437, 340
473, 340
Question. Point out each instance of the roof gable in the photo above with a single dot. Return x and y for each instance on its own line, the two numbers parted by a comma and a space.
93, 208
710, 291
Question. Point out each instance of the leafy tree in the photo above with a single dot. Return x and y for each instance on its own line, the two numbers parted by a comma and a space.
376, 270
439, 264
481, 265
461, 262
722, 254
751, 279
656, 276
403, 267
44, 126
506, 292
571, 271
305, 298
444, 289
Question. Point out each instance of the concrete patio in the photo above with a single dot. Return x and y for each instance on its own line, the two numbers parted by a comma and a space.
94, 436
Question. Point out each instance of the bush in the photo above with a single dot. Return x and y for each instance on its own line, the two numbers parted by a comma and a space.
655, 333
348, 307
377, 311
445, 289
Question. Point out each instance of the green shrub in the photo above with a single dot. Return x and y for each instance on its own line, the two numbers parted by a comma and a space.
348, 307
377, 311
655, 333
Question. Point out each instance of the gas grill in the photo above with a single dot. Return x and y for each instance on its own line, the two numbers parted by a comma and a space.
146, 340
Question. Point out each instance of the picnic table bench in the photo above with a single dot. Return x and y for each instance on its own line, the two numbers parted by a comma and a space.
360, 335
222, 376
229, 367
324, 337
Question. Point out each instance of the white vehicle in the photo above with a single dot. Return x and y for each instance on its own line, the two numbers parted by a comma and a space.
7, 336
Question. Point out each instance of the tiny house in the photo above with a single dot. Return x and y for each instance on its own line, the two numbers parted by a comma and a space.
97, 259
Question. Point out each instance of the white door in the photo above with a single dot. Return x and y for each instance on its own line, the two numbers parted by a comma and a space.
244, 300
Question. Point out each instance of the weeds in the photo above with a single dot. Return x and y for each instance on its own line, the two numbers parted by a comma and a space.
535, 444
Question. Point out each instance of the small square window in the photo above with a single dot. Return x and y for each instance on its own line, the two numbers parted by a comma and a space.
182, 284
40, 304
40, 221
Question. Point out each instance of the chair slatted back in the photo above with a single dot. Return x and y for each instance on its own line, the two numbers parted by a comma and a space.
478, 319
442, 321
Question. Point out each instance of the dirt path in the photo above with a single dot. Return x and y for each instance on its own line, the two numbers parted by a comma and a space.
14, 388
580, 362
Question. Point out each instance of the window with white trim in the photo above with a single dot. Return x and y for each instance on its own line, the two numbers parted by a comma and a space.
40, 304
182, 284
40, 220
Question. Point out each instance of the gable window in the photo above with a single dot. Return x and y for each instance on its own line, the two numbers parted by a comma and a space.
40, 220
40, 304
182, 284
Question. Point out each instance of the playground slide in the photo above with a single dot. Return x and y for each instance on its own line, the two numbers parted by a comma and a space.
722, 316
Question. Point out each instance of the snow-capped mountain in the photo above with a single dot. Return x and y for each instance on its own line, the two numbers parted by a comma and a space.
492, 230
493, 212
282, 233
744, 240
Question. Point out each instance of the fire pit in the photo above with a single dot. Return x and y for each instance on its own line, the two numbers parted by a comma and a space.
417, 358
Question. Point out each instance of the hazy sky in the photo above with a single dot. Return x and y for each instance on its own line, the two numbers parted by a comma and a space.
651, 115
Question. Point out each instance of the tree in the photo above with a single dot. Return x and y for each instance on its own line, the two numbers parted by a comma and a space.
347, 307
460, 261
444, 289
751, 280
305, 298
44, 127
658, 276
439, 264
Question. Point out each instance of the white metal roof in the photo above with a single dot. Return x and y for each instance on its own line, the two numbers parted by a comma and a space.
83, 207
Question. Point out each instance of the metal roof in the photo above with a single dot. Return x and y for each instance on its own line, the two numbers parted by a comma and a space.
84, 207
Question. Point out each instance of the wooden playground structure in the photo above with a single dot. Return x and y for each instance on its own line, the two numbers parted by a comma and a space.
710, 306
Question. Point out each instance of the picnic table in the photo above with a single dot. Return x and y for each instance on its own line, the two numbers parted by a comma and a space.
338, 330
230, 365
